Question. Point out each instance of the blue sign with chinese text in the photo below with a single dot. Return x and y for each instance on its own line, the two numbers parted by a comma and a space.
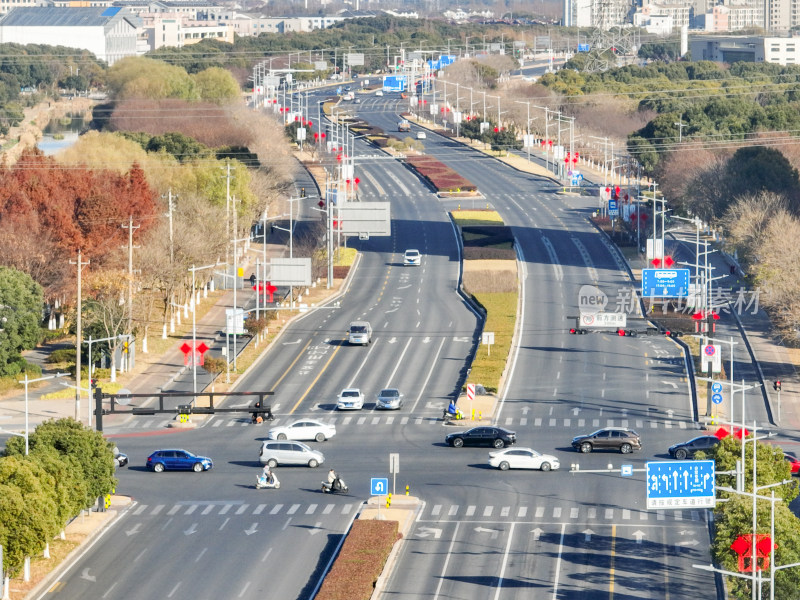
680, 484
665, 283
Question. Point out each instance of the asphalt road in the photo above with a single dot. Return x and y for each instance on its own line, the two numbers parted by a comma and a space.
481, 533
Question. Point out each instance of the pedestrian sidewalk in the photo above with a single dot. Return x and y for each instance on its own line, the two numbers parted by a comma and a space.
152, 374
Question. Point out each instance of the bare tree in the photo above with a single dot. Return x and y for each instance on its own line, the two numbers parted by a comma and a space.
746, 224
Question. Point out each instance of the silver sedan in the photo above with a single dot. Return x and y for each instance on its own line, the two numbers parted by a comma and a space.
389, 399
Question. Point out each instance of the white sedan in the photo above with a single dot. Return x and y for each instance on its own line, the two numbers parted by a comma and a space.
350, 399
303, 429
522, 458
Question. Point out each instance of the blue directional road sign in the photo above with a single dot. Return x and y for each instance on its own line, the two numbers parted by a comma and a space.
379, 486
680, 484
716, 398
716, 387
665, 283
583, 47
613, 208
626, 471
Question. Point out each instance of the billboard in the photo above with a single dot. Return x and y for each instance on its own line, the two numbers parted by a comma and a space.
290, 271
373, 218
355, 60
394, 83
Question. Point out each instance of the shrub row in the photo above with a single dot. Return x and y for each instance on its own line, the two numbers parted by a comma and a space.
439, 175
68, 467
360, 561
501, 317
489, 253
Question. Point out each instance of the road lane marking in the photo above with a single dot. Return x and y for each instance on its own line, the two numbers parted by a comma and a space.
558, 562
313, 383
425, 383
505, 562
276, 509
113, 585
613, 557
199, 556
244, 589
397, 366
363, 362
264, 558
446, 562
289, 368
175, 589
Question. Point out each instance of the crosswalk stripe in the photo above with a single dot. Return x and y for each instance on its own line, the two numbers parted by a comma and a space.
682, 424
158, 509
231, 423
208, 509
259, 509
552, 422
592, 513
346, 509
174, 509
453, 510
609, 513
595, 422
653, 424
436, 509
191, 509
346, 420
624, 423
311, 508
660, 515
539, 512
389, 420
361, 420
471, 510
276, 509
403, 420
678, 515
523, 510
537, 422
523, 421
140, 509
224, 510
626, 514
581, 422
292, 509
668, 424
487, 512
567, 422
643, 515
504, 511
218, 422
573, 513
639, 423
556, 512
242, 509
610, 423
376, 420
328, 509
418, 420
509, 420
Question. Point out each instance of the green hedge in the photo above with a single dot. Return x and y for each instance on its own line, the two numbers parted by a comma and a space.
501, 318
68, 467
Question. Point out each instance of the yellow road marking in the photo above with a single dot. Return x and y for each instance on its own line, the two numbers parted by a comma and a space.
289, 368
613, 555
56, 587
313, 383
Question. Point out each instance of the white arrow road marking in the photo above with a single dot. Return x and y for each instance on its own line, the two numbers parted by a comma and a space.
670, 412
687, 543
297, 341
587, 534
391, 311
536, 533
315, 407
494, 532
427, 531
85, 575
638, 535
134, 529
575, 411
252, 530
462, 339
426, 340
191, 529
670, 383
435, 405
403, 287
393, 340
525, 410
686, 532
316, 528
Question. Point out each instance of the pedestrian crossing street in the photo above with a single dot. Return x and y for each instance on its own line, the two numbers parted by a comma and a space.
430, 512
401, 420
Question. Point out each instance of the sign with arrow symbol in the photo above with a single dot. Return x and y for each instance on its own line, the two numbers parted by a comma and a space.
537, 533
638, 535
494, 532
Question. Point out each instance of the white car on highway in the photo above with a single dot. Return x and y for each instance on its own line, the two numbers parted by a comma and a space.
350, 399
522, 458
303, 429
412, 258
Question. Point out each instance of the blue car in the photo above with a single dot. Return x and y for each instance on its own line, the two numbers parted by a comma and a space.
177, 460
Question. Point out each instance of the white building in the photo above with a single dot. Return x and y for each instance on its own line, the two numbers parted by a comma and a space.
108, 32
729, 48
653, 21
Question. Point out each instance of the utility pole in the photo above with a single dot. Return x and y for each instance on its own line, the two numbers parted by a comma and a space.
79, 333
680, 125
171, 208
228, 211
130, 227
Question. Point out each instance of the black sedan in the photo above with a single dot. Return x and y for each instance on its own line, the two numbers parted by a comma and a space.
688, 449
496, 437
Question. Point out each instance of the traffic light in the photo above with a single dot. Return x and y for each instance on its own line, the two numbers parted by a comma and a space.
302, 192
626, 332
93, 383
576, 331
672, 334
776, 385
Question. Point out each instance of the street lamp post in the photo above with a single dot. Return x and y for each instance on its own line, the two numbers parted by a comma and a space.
194, 269
26, 382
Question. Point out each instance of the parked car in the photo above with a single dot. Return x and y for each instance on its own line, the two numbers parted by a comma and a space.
389, 399
686, 450
303, 429
177, 460
275, 453
482, 436
611, 438
350, 399
522, 458
412, 258
794, 463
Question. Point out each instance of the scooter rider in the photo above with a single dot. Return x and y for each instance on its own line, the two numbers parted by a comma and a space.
453, 411
332, 477
267, 474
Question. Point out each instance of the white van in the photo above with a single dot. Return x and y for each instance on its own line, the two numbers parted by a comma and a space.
360, 332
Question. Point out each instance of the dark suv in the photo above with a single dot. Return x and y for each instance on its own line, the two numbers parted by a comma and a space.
617, 438
496, 437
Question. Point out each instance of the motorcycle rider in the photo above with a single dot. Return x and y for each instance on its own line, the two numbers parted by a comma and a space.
254, 420
332, 477
453, 411
266, 474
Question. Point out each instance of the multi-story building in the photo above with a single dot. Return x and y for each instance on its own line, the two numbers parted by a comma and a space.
108, 32
678, 12
603, 14
729, 48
